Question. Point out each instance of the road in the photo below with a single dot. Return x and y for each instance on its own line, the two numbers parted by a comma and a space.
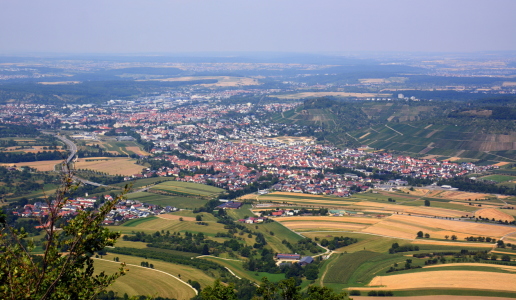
73, 151
71, 146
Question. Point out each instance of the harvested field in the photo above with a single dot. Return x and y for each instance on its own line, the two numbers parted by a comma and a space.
297, 195
314, 202
470, 228
493, 213
137, 150
392, 232
508, 268
456, 195
33, 149
175, 217
427, 211
445, 279
111, 165
454, 158
502, 163
47, 165
400, 226
451, 244
417, 192
323, 226
331, 219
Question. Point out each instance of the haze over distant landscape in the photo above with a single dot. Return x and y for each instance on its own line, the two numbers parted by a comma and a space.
257, 150
116, 26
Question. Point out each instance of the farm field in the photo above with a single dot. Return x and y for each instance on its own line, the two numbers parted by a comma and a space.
280, 233
499, 178
187, 188
46, 165
190, 215
139, 183
172, 225
32, 149
493, 213
446, 279
357, 266
123, 147
166, 200
377, 203
401, 227
136, 222
111, 165
151, 282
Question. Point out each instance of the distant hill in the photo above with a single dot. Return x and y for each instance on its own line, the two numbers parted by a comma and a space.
478, 130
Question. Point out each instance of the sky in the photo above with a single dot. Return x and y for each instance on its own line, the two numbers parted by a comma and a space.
304, 26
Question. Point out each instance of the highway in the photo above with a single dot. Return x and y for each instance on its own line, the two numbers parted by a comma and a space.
73, 151
71, 146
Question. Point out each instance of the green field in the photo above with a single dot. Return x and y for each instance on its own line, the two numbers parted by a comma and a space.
206, 217
240, 213
188, 189
159, 224
499, 178
174, 288
236, 267
344, 265
121, 147
166, 200
136, 222
139, 183
280, 233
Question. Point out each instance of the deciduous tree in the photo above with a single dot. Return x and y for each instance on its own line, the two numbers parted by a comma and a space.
56, 274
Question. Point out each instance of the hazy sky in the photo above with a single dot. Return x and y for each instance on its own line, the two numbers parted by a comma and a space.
167, 26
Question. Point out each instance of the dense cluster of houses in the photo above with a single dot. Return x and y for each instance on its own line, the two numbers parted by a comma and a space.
305, 168
133, 209
42, 209
125, 210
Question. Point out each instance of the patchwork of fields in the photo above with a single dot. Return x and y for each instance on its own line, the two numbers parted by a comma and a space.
376, 223
123, 147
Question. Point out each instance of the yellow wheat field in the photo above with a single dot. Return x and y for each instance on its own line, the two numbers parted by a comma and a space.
324, 226
446, 280
331, 219
493, 213
112, 166
47, 165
